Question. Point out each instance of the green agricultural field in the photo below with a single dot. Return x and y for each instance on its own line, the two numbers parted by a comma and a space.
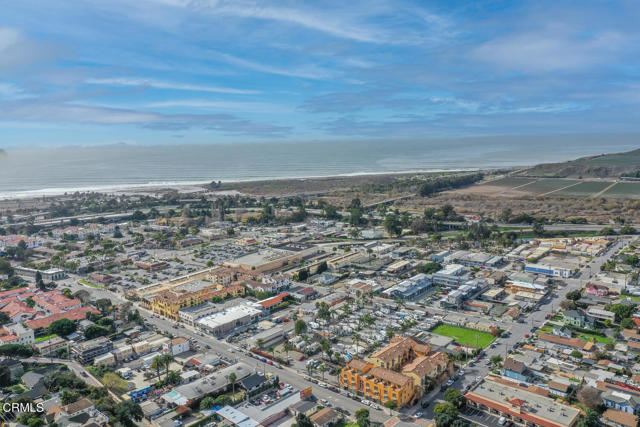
465, 336
510, 182
548, 184
584, 189
630, 190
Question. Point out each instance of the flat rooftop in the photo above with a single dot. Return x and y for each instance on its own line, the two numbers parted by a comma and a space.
228, 315
523, 404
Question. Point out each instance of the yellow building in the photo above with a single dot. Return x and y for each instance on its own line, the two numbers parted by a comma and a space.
169, 303
399, 351
399, 371
377, 383
427, 369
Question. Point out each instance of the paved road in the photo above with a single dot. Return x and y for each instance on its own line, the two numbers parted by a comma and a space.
519, 330
287, 375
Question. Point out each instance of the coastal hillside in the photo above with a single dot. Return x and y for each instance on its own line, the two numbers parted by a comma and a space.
601, 166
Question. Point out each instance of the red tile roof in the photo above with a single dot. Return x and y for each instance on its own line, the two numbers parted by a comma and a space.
273, 301
74, 314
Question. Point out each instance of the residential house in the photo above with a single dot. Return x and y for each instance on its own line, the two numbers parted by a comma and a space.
620, 401
579, 319
614, 418
516, 370
326, 417
599, 290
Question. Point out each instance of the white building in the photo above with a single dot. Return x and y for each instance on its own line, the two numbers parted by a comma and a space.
225, 321
176, 346
23, 335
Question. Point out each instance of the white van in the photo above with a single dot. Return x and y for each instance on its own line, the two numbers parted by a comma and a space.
502, 420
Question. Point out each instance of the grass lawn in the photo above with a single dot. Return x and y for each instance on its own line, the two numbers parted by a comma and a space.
40, 339
465, 336
546, 329
87, 283
589, 337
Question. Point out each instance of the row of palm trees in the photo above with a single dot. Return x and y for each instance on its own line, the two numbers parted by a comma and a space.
162, 362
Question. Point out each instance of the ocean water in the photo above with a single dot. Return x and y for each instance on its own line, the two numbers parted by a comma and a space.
32, 172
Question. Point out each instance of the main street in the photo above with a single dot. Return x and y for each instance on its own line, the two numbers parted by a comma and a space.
296, 378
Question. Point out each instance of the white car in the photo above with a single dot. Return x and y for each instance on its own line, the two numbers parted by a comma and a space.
418, 414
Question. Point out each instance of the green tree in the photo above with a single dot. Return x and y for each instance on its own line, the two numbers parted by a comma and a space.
300, 327
496, 359
157, 364
166, 361
622, 311
207, 403
103, 304
232, 380
392, 225
16, 350
362, 418
127, 412
223, 400
303, 421
30, 302
445, 420
95, 331
627, 323
4, 318
574, 295
323, 310
590, 419
576, 354
454, 397
303, 274
391, 405
173, 377
5, 267
538, 228
5, 376
431, 267
322, 267
445, 408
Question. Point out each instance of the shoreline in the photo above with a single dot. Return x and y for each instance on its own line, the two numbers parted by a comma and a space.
195, 186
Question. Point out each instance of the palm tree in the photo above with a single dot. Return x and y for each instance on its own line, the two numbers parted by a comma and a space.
356, 338
260, 343
346, 309
287, 348
322, 368
271, 350
157, 365
167, 359
232, 379
390, 333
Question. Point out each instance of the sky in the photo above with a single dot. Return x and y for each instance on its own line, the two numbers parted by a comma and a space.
208, 71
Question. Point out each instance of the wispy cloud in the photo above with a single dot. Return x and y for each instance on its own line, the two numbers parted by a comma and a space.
158, 84
308, 72
36, 111
316, 20
255, 107
17, 50
555, 49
